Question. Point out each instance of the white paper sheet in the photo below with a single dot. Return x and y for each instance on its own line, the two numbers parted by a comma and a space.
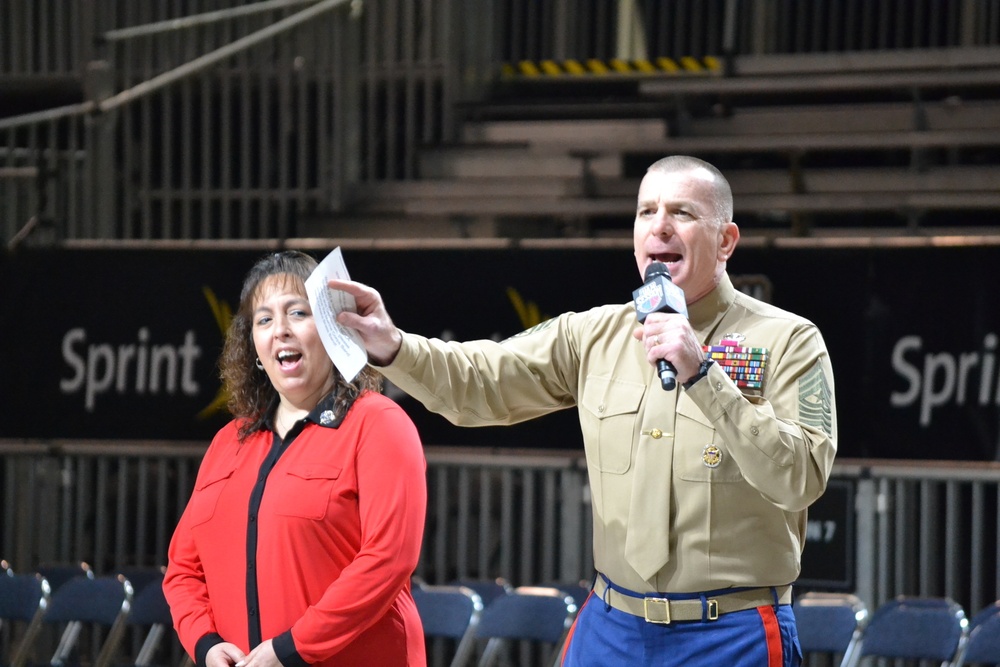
342, 344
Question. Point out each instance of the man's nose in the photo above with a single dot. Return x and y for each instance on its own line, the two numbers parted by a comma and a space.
663, 225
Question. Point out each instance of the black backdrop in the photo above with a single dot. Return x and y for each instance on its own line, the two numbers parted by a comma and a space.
912, 333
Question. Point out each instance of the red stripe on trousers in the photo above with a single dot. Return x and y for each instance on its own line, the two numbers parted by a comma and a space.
572, 629
772, 635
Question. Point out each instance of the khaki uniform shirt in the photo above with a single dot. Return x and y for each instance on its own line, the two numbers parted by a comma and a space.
735, 513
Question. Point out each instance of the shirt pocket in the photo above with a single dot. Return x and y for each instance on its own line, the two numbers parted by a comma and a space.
305, 492
700, 454
609, 410
206, 494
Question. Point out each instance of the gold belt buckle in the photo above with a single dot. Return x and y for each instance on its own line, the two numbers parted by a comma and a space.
713, 609
660, 608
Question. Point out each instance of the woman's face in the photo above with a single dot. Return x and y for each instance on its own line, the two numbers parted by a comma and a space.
288, 343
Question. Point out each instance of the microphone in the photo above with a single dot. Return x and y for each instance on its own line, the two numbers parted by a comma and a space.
659, 294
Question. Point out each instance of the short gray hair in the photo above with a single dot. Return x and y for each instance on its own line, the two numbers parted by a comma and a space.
722, 200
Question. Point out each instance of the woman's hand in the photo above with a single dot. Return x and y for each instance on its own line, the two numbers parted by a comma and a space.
224, 655
262, 656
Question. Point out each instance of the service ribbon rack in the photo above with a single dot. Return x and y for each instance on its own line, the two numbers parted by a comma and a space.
745, 365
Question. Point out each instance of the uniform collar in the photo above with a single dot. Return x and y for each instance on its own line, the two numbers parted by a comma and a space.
704, 312
324, 414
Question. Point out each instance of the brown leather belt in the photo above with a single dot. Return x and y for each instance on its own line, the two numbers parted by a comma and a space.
661, 610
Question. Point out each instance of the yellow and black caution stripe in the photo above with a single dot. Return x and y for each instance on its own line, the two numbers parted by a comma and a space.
615, 66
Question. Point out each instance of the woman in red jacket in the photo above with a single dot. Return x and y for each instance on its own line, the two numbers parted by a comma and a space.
305, 524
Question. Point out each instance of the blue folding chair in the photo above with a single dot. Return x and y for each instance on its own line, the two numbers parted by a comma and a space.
58, 574
527, 613
983, 646
450, 612
102, 602
578, 590
487, 589
831, 624
141, 576
917, 628
150, 610
23, 599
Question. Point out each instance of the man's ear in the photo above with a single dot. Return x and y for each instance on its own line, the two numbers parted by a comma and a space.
730, 237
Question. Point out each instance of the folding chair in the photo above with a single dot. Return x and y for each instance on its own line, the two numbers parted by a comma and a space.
487, 589
101, 601
917, 628
527, 613
450, 612
141, 576
23, 599
831, 623
578, 590
983, 646
150, 610
58, 574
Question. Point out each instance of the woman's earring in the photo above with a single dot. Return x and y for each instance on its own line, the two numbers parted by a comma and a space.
259, 365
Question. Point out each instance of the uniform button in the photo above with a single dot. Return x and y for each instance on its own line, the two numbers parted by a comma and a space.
656, 433
755, 430
601, 407
718, 386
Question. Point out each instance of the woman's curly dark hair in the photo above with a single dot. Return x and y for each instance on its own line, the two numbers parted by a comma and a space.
252, 397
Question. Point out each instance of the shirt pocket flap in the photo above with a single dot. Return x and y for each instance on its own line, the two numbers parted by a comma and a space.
609, 397
214, 476
306, 491
610, 408
687, 408
316, 471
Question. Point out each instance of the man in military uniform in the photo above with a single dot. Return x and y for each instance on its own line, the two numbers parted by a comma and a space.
700, 493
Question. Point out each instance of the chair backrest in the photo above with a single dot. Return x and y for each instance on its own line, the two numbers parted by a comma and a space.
831, 623
984, 637
578, 590
102, 601
451, 612
141, 576
487, 589
919, 628
58, 574
23, 598
527, 613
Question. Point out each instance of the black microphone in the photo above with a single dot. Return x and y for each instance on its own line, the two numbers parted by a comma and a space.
659, 294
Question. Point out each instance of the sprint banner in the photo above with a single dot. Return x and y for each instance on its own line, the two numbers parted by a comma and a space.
104, 344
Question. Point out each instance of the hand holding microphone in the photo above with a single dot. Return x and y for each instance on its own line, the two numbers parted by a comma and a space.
659, 294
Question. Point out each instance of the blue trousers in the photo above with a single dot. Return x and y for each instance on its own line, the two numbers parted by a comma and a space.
605, 637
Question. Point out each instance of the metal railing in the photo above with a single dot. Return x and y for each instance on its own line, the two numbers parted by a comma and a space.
239, 122
927, 528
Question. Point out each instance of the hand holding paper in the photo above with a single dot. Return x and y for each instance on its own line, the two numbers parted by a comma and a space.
342, 344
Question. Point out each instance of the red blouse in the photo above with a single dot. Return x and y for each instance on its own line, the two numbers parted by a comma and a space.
310, 542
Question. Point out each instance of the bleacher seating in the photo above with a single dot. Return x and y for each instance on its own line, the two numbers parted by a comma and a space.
881, 142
